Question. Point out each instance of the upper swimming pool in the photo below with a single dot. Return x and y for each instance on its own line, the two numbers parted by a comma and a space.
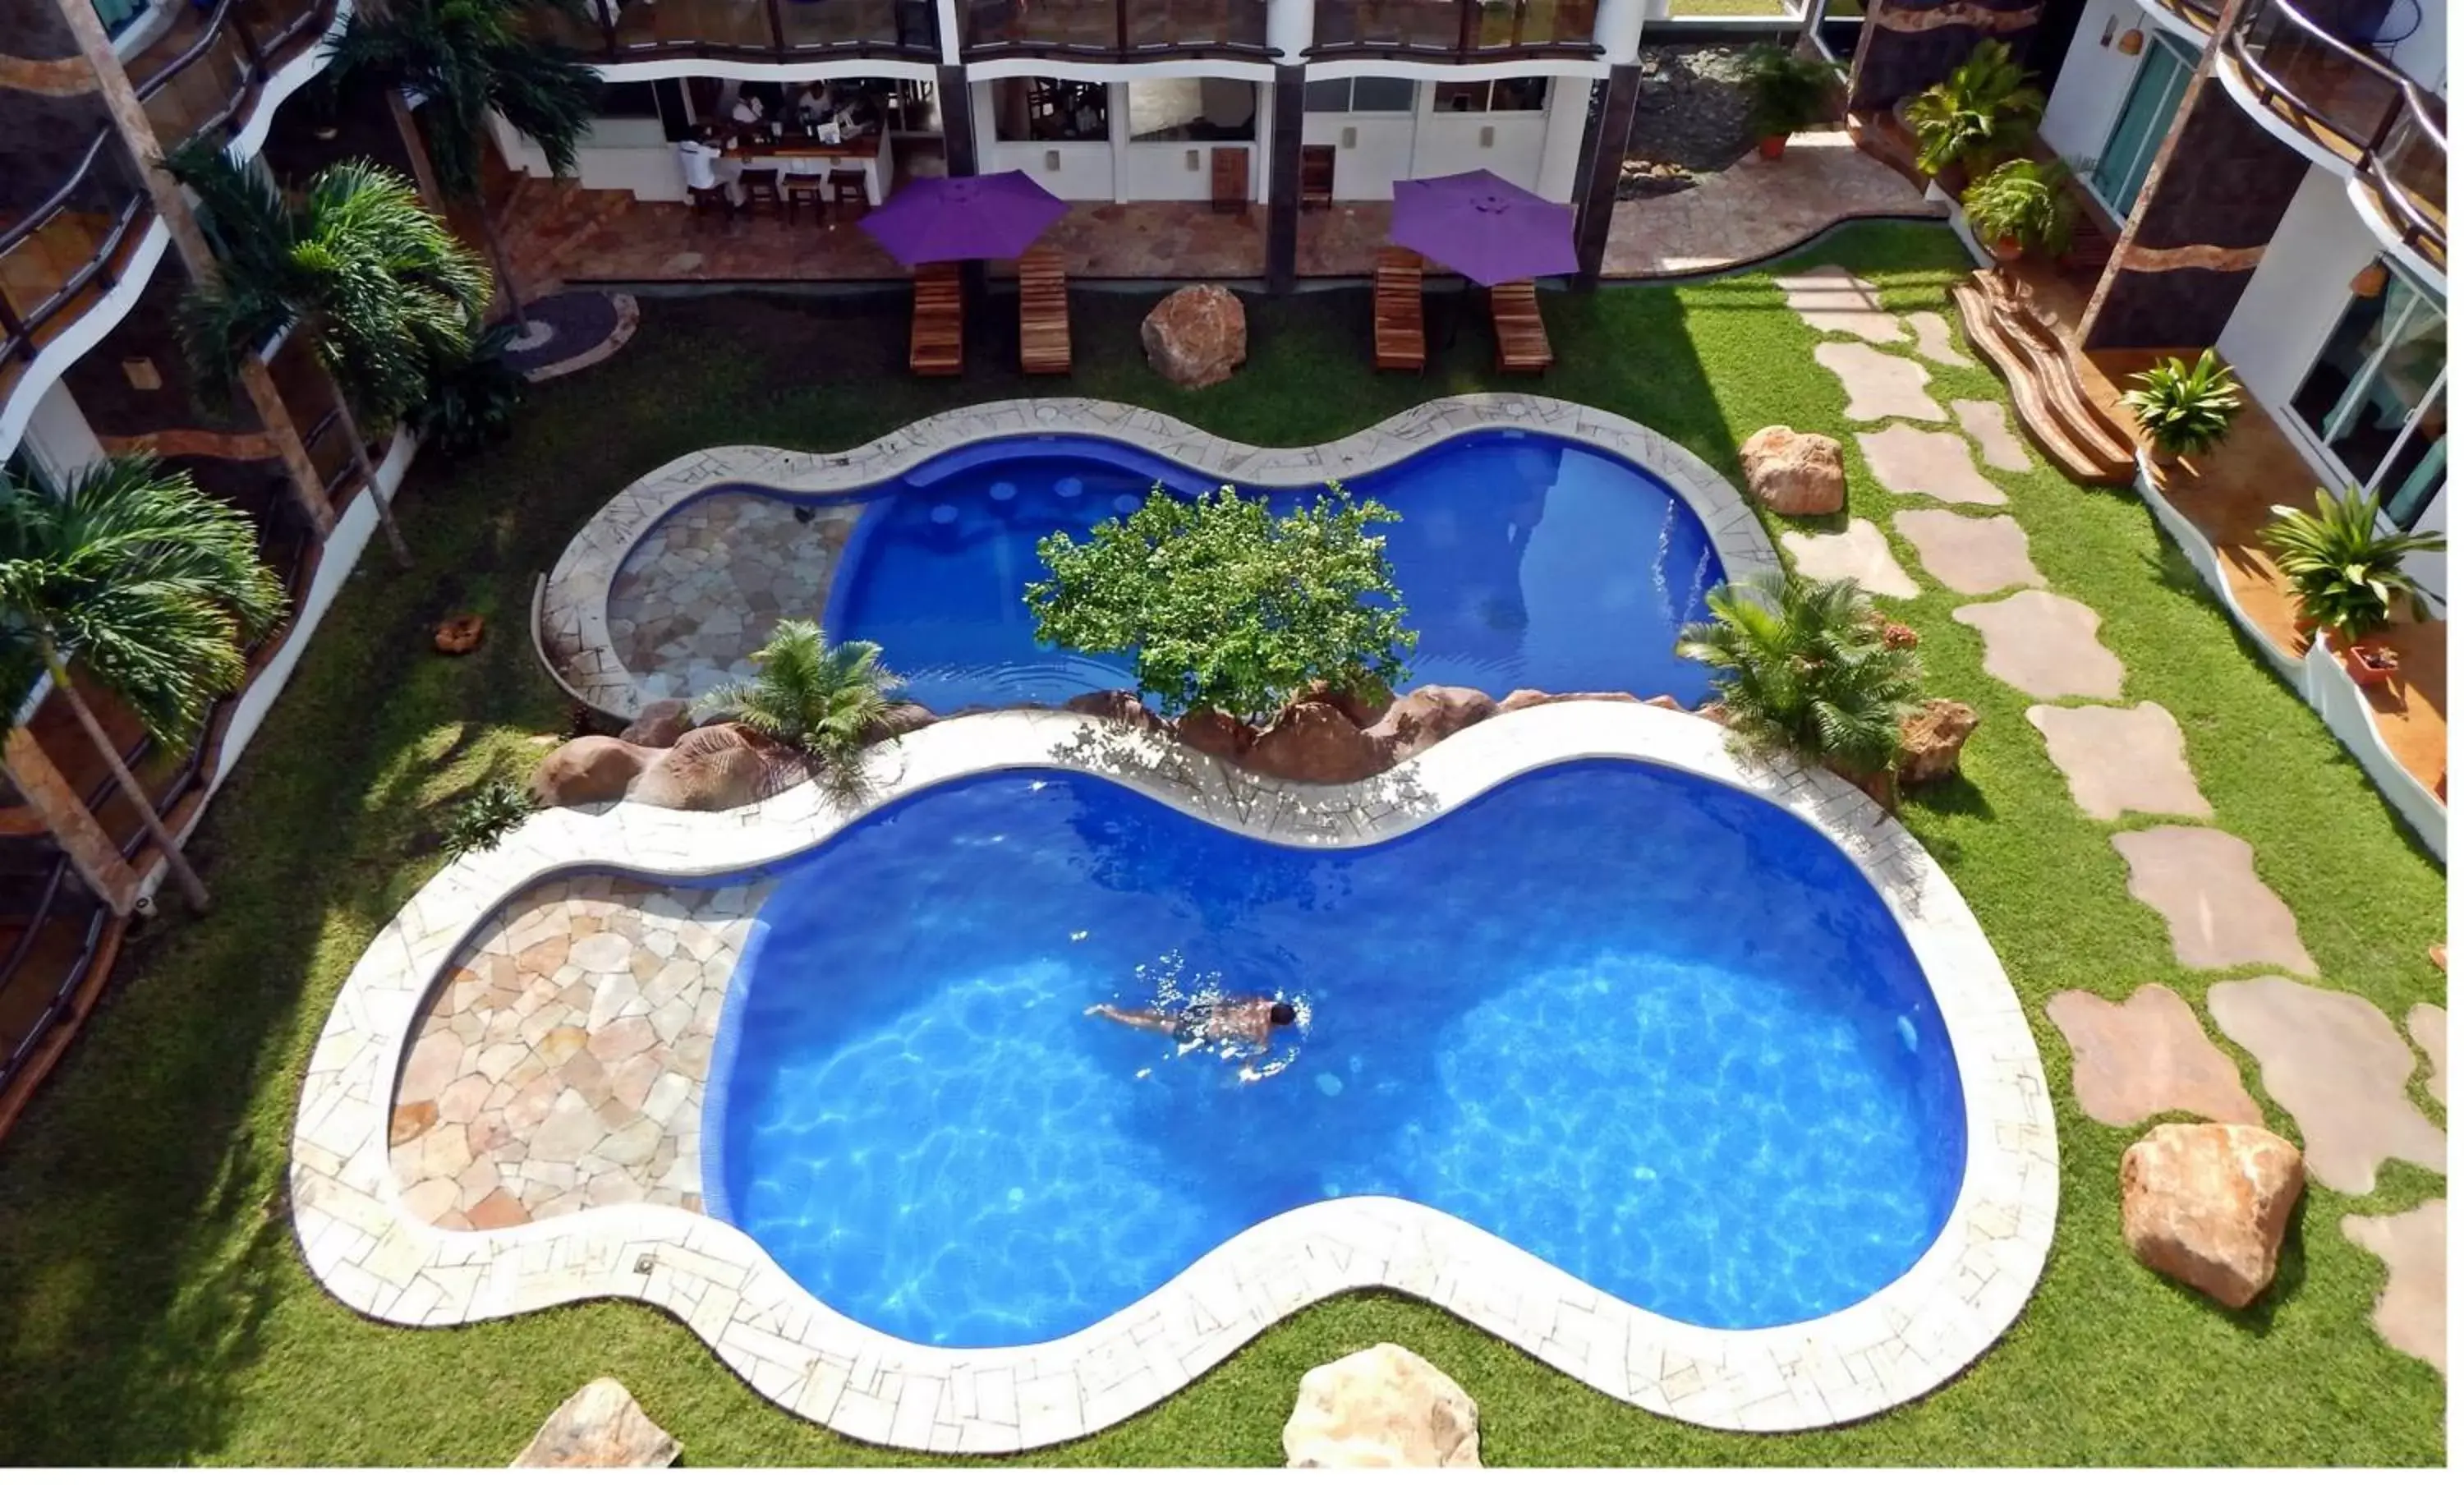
1524, 558
1653, 1029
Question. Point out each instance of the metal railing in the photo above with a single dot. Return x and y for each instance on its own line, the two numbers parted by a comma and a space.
767, 29
59, 897
1117, 30
2396, 128
1463, 30
85, 193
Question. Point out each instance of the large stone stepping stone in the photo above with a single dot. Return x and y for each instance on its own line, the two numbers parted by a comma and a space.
1835, 301
2336, 1064
2045, 645
1385, 1408
1880, 386
601, 1425
1860, 554
2426, 1024
2116, 758
1913, 461
2218, 912
2411, 1312
1970, 554
1933, 340
2147, 1056
1984, 422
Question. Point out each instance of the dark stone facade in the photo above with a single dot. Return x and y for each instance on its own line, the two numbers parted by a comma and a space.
1893, 64
149, 331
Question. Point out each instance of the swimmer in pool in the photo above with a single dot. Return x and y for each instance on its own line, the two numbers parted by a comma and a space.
1251, 1020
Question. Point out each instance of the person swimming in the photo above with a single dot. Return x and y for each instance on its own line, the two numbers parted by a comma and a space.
1250, 1020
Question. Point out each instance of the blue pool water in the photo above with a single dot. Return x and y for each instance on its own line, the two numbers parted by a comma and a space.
1522, 560
1656, 1031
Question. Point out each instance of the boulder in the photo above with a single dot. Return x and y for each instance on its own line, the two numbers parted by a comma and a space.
589, 771
1519, 701
1419, 720
1930, 740
725, 767
1197, 335
660, 723
1122, 706
599, 1427
1795, 474
1364, 713
460, 634
2208, 1203
1212, 732
1382, 1406
1313, 742
902, 719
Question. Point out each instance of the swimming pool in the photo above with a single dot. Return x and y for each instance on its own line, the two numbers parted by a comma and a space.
1654, 1031
1523, 559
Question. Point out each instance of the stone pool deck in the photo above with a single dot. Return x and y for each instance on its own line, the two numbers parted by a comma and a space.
367, 1245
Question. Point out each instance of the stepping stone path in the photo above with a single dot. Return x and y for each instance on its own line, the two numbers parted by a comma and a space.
2147, 1056
1970, 554
2220, 915
2411, 1312
600, 1427
2118, 758
1860, 553
2335, 1063
1912, 461
2045, 645
1985, 422
1933, 340
1880, 386
2426, 1025
1835, 301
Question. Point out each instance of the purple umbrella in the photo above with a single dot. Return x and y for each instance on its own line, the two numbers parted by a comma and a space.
1487, 230
941, 219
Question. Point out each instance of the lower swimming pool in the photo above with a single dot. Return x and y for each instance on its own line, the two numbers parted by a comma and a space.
1643, 1025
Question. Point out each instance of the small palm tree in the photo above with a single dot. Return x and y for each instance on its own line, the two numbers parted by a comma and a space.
1806, 669
825, 700
1983, 110
2345, 571
378, 285
469, 59
151, 586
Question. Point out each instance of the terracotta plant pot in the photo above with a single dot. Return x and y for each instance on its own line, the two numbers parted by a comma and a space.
2371, 664
1771, 146
2007, 250
460, 634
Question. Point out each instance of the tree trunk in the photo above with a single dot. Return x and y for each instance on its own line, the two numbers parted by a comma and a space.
367, 468
423, 170
54, 800
504, 264
192, 885
307, 490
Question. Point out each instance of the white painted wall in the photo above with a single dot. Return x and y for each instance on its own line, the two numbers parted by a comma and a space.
1073, 172
59, 436
2422, 56
1508, 145
1181, 169
1372, 151
2095, 78
2301, 286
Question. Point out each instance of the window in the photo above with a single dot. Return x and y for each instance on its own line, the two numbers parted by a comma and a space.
118, 15
1505, 95
2155, 95
1359, 96
1192, 108
2377, 397
1050, 110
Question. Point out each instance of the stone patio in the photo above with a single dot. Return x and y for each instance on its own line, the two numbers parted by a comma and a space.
2121, 759
2146, 1056
2045, 645
2335, 1063
705, 585
2218, 913
1857, 553
1919, 461
1969, 555
1879, 384
1757, 208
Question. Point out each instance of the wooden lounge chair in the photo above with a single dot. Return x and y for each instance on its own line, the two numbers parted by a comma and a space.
1402, 340
1522, 339
1043, 313
936, 345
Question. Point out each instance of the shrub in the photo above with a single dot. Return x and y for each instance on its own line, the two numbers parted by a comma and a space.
471, 399
2023, 201
1985, 109
2185, 408
825, 701
1785, 91
491, 811
2345, 571
1227, 608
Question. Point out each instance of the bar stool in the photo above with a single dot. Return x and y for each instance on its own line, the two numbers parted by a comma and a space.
848, 194
761, 183
711, 198
806, 188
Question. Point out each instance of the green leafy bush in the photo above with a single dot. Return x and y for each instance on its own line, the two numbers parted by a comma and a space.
2346, 572
2185, 408
1225, 606
1983, 110
2023, 201
826, 701
492, 812
472, 398
1785, 91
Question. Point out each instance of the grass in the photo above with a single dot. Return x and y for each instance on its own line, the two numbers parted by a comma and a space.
152, 1306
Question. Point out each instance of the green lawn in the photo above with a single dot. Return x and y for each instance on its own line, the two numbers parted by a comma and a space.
153, 1309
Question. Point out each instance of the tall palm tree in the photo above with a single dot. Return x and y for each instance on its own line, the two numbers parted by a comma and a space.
151, 586
469, 59
381, 289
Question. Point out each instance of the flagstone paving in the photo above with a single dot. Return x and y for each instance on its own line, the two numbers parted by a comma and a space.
1968, 554
705, 585
1835, 301
2335, 1063
1933, 340
2045, 645
1915, 461
1858, 553
2411, 1310
1880, 386
2426, 1025
2146, 1056
1989, 425
561, 1065
2219, 914
2118, 758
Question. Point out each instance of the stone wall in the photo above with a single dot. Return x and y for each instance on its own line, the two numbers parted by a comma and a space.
1908, 46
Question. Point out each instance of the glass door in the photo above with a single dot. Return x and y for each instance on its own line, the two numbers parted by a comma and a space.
2377, 397
2146, 113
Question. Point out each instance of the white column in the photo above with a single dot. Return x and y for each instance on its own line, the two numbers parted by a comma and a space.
1561, 142
1291, 25
948, 11
1618, 29
1116, 125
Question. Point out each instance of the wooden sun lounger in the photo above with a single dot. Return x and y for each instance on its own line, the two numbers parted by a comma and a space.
936, 345
1043, 313
1522, 339
1402, 341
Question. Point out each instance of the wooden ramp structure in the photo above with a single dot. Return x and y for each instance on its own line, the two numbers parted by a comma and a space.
1522, 337
1043, 313
1401, 336
936, 342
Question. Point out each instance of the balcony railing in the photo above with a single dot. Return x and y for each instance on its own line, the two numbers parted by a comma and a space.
1124, 30
1465, 30
772, 29
2391, 129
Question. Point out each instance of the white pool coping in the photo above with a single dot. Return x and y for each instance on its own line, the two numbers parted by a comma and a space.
572, 620
1912, 1335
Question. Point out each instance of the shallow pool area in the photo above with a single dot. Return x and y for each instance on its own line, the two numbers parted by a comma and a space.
1647, 1028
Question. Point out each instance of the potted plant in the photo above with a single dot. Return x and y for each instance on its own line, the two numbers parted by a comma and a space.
1983, 112
2021, 207
1786, 93
2347, 574
2184, 410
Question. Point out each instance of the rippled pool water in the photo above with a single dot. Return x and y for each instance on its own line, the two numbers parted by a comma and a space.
1652, 1029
